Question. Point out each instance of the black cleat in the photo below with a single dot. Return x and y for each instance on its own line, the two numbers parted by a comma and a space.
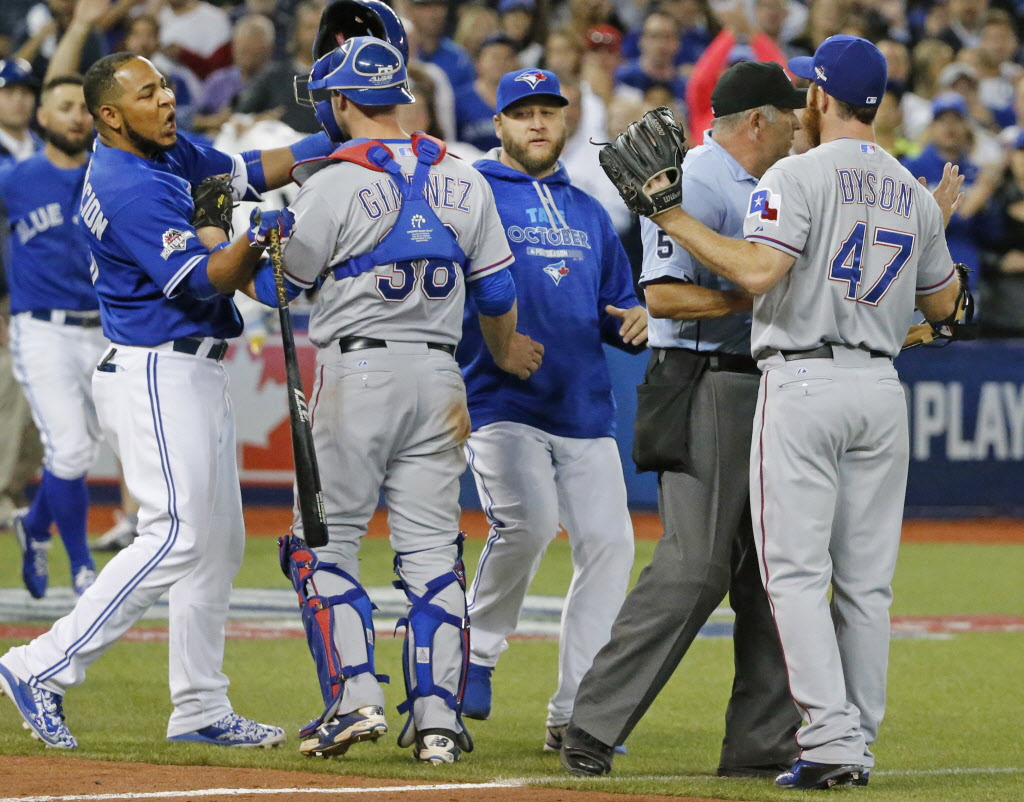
770, 770
584, 755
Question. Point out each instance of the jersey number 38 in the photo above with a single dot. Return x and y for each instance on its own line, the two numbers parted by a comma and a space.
848, 264
437, 278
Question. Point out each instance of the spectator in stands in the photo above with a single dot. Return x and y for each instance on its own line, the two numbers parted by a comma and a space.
17, 104
475, 103
889, 124
143, 37
951, 139
281, 14
930, 57
428, 17
656, 62
563, 52
739, 40
824, 20
252, 45
196, 34
424, 113
961, 78
444, 95
965, 21
695, 23
1002, 295
997, 72
602, 56
524, 23
272, 89
476, 23
45, 23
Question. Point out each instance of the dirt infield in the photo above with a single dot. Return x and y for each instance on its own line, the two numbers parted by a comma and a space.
24, 778
273, 521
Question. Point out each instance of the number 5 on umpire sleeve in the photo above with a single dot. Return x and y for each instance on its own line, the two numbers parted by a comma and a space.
666, 245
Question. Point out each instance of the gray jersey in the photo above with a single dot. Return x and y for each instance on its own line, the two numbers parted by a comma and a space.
344, 210
867, 238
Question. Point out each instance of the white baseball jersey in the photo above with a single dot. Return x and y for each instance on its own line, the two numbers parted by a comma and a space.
333, 222
866, 236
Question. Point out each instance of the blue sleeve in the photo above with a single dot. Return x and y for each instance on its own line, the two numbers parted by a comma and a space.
157, 234
266, 288
199, 161
494, 293
616, 284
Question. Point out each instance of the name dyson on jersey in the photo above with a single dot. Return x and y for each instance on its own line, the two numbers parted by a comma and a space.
863, 187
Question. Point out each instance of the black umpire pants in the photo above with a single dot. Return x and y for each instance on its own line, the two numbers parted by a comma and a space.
707, 550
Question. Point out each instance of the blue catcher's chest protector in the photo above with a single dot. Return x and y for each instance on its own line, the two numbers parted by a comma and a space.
418, 233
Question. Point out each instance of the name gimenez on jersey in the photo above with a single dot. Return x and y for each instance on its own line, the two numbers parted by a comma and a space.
442, 191
91, 214
863, 187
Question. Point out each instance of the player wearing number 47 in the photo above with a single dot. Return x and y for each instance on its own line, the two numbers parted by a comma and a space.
840, 244
394, 257
542, 449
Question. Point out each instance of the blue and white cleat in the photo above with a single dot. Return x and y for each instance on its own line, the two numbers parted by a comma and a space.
806, 775
35, 568
476, 699
336, 735
42, 710
235, 730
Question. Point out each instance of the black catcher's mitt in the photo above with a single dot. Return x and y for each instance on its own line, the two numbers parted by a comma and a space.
213, 202
958, 326
652, 146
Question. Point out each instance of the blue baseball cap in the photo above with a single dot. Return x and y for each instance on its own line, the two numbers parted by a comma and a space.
16, 72
513, 5
848, 68
950, 101
519, 84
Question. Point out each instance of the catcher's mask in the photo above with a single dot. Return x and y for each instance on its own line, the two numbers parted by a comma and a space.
366, 70
343, 19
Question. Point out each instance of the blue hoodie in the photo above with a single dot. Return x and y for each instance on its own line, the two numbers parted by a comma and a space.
569, 265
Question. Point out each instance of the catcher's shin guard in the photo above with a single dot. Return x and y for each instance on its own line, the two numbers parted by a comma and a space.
319, 620
427, 615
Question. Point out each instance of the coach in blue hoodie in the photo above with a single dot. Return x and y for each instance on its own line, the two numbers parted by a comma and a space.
542, 449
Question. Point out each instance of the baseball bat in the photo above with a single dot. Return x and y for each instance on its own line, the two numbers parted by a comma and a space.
307, 473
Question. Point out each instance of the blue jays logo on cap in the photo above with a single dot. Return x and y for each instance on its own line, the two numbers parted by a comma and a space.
848, 68
520, 84
532, 78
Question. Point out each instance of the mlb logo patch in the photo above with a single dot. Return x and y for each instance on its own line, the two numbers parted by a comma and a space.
868, 148
765, 204
173, 240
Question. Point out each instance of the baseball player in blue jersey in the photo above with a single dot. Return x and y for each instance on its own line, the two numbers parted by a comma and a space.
395, 256
542, 450
840, 244
20, 449
162, 403
55, 329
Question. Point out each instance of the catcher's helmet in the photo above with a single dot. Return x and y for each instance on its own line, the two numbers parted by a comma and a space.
366, 70
16, 71
344, 19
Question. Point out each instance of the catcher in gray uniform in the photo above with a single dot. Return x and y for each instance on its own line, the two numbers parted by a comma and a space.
840, 244
393, 257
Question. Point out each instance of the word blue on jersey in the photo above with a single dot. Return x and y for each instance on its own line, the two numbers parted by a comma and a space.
569, 264
49, 255
136, 213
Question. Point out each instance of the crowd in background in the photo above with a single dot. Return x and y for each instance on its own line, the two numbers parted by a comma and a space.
955, 92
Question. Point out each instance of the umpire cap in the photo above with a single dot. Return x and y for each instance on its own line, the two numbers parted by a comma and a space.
343, 19
750, 84
17, 72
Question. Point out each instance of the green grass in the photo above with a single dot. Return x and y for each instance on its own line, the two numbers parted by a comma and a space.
953, 703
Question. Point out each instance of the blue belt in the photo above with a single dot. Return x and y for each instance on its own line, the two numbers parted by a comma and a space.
84, 319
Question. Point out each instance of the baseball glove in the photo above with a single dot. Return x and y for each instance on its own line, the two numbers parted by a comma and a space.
958, 326
212, 201
652, 146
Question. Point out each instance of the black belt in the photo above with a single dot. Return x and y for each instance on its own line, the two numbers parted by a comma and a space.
347, 344
825, 352
732, 363
86, 321
191, 345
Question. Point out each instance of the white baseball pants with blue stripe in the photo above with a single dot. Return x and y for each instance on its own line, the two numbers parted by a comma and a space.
531, 482
169, 418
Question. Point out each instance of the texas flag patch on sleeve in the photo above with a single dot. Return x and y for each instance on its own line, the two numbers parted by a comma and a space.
765, 204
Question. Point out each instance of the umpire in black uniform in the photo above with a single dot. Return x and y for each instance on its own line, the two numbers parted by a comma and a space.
694, 419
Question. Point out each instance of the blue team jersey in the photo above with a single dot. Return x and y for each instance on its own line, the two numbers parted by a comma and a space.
136, 213
48, 265
475, 119
569, 265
